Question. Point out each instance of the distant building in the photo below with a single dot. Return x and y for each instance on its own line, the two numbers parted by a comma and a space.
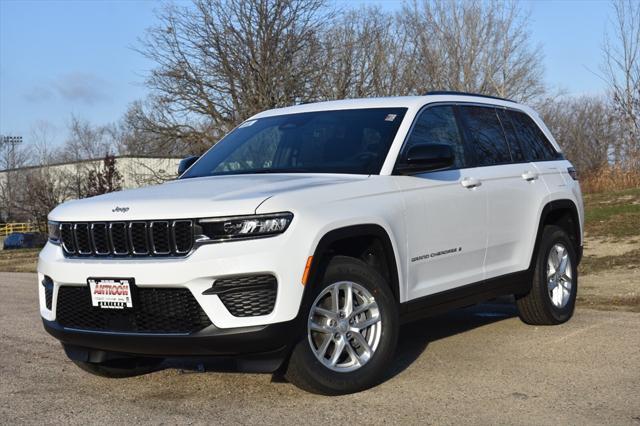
136, 171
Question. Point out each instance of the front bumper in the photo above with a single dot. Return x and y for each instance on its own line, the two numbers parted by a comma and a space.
278, 256
262, 337
210, 341
255, 349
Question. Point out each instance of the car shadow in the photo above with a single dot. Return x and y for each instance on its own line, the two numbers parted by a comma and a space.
416, 336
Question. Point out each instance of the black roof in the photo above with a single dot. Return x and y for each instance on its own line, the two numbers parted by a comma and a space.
452, 92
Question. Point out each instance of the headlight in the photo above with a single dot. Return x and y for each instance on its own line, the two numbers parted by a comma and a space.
54, 232
242, 227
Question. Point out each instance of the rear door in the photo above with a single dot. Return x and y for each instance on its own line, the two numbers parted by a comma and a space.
514, 190
446, 220
539, 151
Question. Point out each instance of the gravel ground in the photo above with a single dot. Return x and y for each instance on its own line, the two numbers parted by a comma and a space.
479, 365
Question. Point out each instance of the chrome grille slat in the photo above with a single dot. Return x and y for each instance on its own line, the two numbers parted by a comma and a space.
118, 238
99, 239
82, 237
182, 236
159, 238
139, 238
67, 237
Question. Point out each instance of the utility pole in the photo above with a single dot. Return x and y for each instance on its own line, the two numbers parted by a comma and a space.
11, 142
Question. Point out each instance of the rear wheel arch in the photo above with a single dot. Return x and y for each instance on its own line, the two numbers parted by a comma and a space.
562, 213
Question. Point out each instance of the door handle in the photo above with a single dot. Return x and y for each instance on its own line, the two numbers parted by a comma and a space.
470, 183
529, 176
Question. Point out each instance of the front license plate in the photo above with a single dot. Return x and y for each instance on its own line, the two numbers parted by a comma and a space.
111, 293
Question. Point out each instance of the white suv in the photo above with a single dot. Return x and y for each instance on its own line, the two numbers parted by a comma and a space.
301, 241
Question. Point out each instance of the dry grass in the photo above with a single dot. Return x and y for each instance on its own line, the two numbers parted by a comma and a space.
610, 178
613, 215
23, 260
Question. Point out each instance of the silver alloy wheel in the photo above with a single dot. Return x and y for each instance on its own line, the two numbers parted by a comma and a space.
344, 326
559, 275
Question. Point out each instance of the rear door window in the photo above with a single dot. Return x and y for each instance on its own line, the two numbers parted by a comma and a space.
510, 133
534, 142
486, 135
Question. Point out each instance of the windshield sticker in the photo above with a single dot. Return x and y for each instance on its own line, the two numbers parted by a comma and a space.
390, 117
247, 124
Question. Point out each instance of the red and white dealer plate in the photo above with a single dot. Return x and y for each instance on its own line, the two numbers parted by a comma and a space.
111, 293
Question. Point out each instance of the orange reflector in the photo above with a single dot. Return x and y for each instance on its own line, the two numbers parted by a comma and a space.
307, 267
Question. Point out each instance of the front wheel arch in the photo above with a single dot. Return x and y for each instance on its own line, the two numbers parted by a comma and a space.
348, 241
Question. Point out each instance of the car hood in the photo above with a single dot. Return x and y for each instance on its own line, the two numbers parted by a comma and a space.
193, 198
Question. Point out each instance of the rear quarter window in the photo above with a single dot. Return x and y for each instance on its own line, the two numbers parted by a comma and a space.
535, 144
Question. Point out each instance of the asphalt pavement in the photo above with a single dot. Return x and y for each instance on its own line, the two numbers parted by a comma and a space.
478, 365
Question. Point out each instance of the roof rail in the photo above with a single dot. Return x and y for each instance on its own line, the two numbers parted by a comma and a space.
452, 92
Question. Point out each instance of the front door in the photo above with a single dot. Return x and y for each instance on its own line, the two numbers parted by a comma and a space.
446, 212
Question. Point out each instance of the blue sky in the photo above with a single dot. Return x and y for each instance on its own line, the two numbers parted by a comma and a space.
59, 58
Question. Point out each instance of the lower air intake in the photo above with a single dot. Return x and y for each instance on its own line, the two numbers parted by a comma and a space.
155, 310
248, 295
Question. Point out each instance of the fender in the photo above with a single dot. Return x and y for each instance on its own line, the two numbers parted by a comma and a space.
547, 211
365, 230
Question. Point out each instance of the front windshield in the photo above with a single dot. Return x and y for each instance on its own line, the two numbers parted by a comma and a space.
352, 141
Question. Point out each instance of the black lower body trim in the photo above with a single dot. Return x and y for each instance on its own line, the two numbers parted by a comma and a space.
434, 304
266, 342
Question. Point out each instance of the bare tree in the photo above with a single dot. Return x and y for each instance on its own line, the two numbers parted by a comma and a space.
366, 54
12, 158
621, 70
41, 190
105, 180
85, 142
586, 127
474, 46
221, 61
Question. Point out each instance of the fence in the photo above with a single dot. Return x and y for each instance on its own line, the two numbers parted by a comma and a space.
8, 228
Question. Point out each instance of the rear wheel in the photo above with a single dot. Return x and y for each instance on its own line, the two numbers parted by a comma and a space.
120, 368
351, 331
555, 281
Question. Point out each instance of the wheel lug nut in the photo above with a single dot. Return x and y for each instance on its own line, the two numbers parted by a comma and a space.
336, 336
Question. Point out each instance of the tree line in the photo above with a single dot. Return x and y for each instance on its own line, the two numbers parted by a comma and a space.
220, 61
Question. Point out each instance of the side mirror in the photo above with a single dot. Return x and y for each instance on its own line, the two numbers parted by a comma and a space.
185, 163
426, 158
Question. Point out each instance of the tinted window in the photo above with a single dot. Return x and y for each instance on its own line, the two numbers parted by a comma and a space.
535, 144
437, 125
346, 141
512, 139
486, 135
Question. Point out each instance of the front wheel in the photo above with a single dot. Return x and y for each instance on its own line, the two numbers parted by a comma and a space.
351, 331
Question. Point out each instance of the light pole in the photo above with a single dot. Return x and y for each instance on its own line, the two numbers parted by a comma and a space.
10, 141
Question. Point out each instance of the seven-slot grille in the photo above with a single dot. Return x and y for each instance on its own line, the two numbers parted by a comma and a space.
135, 238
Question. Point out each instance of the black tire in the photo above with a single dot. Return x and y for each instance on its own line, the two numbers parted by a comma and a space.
536, 307
120, 368
306, 372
